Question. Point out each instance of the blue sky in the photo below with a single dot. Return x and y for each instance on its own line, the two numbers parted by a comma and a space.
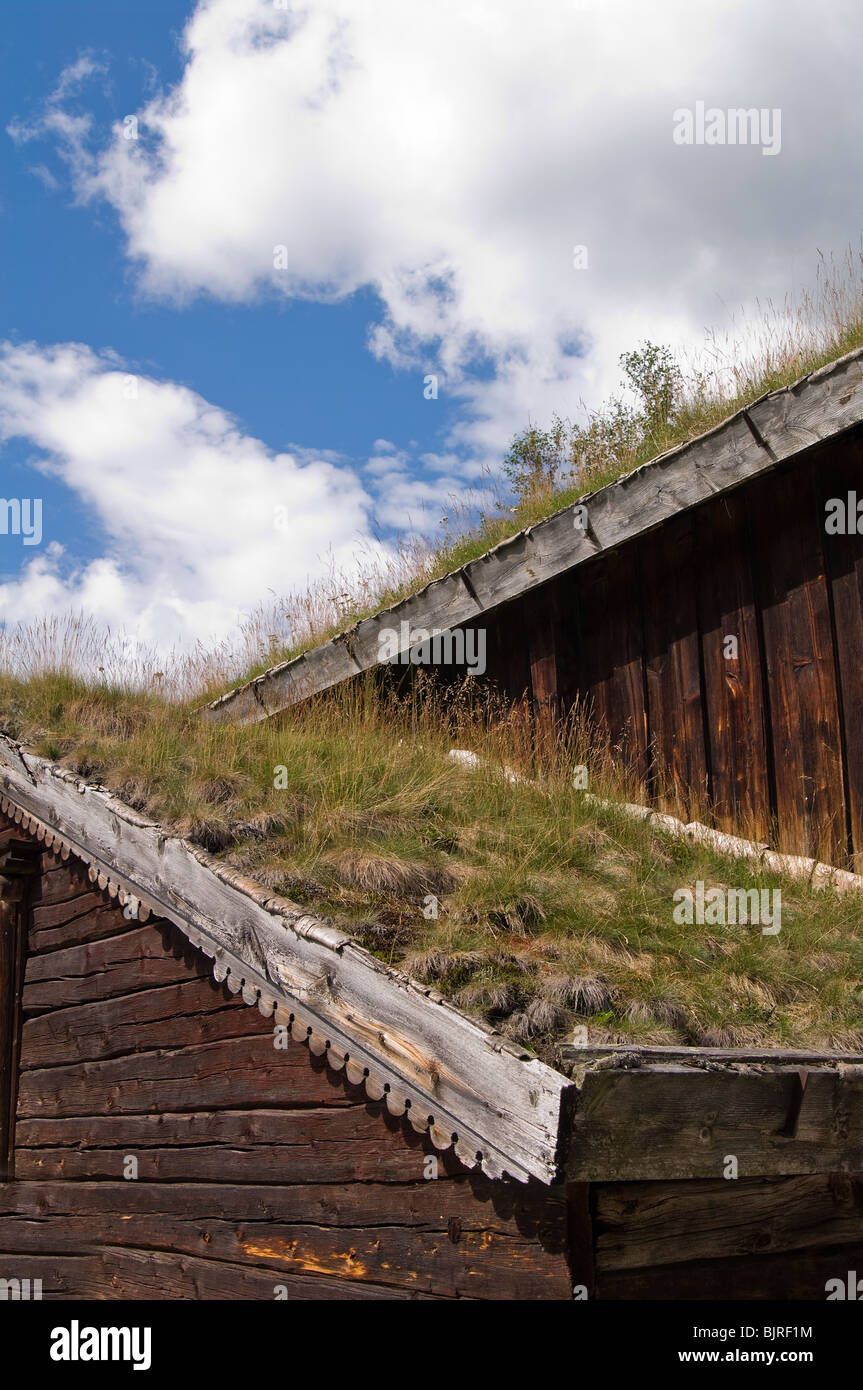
293, 373
165, 387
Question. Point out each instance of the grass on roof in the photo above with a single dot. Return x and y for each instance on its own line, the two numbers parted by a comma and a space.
664, 403
552, 913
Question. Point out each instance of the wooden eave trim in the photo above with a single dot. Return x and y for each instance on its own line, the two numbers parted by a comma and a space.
639, 1114
754, 441
460, 1082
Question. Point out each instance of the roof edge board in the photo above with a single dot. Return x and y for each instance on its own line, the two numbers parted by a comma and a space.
460, 1082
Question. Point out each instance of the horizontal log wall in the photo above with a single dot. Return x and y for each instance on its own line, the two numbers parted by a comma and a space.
261, 1173
749, 1238
769, 741
257, 1168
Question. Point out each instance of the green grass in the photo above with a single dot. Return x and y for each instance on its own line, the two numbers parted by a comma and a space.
784, 343
552, 912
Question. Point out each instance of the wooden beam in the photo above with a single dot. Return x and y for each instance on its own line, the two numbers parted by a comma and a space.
774, 1114
459, 1081
752, 442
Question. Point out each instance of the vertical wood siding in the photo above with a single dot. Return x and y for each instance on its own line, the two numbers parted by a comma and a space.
767, 740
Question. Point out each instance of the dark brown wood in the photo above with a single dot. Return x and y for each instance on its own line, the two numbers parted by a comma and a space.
511, 1240
799, 657
651, 1224
210, 1075
581, 1239
92, 925
308, 1144
511, 649
193, 1011
110, 1273
21, 864
9, 969
798, 1277
541, 620
690, 1118
733, 695
604, 601
109, 967
841, 475
673, 668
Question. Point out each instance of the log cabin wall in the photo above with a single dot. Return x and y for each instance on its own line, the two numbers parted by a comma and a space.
749, 1238
261, 1173
768, 742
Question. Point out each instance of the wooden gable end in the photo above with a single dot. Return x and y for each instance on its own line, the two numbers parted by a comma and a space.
166, 1147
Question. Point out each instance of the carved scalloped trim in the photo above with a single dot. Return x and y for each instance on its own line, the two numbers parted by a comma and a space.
302, 1024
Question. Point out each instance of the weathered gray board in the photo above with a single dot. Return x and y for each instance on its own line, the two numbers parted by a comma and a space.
646, 1113
753, 441
457, 1080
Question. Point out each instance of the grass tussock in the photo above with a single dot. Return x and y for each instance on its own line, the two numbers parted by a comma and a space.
528, 905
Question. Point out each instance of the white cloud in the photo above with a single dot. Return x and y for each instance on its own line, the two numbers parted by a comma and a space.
188, 502
451, 157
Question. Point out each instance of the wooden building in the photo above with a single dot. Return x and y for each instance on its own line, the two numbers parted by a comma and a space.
627, 601
208, 1093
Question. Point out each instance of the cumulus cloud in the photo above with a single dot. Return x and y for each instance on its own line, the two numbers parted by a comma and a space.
452, 156
201, 519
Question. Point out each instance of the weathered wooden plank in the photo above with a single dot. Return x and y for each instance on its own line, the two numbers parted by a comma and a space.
461, 1236
791, 1277
111, 1273
134, 960
9, 972
650, 1224
456, 1076
690, 1119
94, 925
733, 695
541, 622
48, 915
54, 1276
798, 650
841, 478
311, 1144
672, 667
218, 1075
581, 1239
606, 599
512, 668
194, 1011
61, 883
